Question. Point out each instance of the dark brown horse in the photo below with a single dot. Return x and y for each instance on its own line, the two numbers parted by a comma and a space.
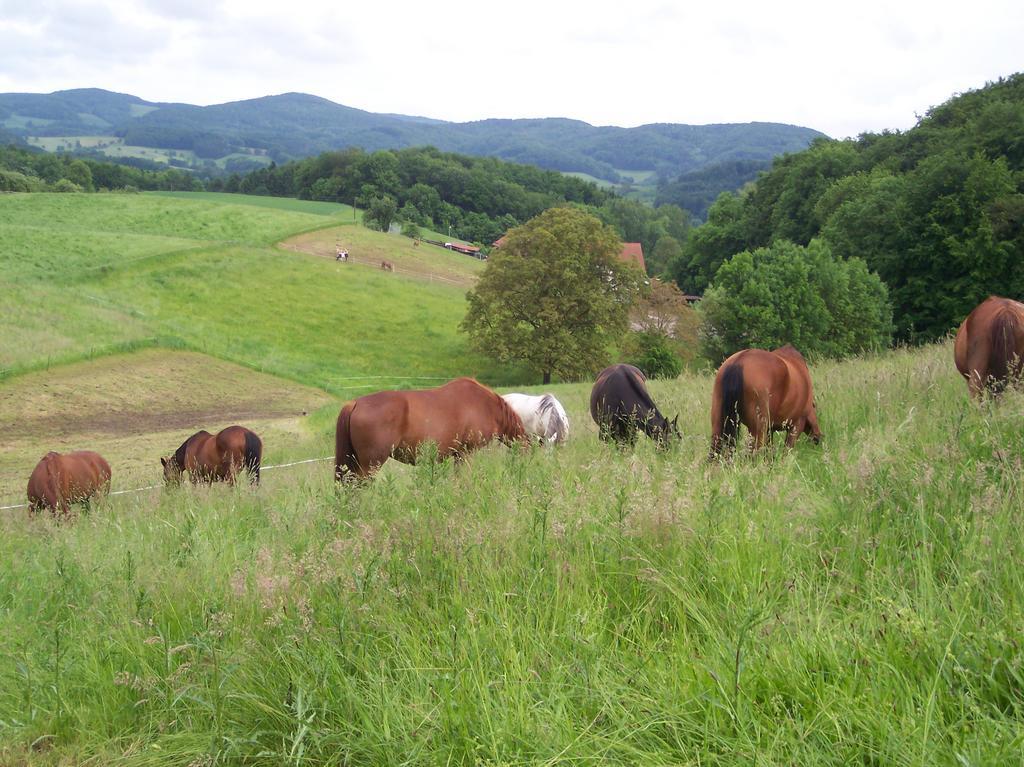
58, 480
621, 407
766, 392
458, 417
989, 347
209, 458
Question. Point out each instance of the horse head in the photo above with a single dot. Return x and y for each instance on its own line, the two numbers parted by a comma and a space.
172, 470
664, 431
811, 427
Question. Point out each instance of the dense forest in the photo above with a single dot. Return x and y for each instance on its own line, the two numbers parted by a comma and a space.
697, 190
24, 170
936, 211
479, 198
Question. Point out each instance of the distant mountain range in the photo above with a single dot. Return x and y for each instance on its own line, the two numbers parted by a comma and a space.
294, 125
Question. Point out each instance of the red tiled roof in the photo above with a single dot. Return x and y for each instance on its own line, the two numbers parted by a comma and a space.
634, 252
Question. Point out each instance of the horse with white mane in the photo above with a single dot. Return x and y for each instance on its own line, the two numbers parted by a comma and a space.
543, 417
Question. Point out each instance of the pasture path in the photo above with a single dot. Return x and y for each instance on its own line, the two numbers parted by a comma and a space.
425, 263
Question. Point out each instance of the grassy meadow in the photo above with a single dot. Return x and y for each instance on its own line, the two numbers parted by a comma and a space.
88, 274
859, 602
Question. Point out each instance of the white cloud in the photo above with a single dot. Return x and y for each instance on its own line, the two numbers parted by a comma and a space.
842, 69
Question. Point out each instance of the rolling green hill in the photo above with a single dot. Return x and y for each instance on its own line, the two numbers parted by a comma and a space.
89, 274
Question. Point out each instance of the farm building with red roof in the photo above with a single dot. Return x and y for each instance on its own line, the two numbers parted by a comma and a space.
633, 252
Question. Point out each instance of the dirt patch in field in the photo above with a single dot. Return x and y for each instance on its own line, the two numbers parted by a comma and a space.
134, 408
128, 423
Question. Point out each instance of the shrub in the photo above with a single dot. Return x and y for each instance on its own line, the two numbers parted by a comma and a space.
787, 293
654, 354
64, 185
12, 181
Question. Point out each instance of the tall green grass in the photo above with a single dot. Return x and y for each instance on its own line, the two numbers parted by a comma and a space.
856, 603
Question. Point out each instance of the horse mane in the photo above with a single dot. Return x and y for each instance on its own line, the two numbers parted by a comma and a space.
509, 421
179, 454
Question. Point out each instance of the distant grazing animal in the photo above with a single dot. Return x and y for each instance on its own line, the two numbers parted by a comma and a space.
209, 458
59, 480
621, 406
458, 417
387, 266
989, 347
766, 392
543, 417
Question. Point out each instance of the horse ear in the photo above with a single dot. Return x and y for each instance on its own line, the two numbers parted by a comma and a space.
163, 461
675, 421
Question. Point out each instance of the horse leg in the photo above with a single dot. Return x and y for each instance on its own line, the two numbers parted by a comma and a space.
761, 432
365, 468
976, 383
795, 430
977, 375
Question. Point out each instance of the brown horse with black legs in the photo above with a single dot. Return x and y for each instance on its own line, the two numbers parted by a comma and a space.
989, 347
458, 417
60, 480
212, 458
766, 392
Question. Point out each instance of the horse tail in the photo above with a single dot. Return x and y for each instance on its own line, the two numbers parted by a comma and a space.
52, 495
1004, 348
253, 456
345, 460
551, 419
731, 393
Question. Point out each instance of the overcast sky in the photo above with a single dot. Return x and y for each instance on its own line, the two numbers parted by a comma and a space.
841, 68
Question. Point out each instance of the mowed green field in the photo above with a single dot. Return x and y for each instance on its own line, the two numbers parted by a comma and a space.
344, 212
859, 602
87, 274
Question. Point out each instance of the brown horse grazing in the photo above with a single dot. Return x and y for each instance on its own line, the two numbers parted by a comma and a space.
621, 407
387, 266
209, 458
989, 347
766, 392
458, 417
58, 480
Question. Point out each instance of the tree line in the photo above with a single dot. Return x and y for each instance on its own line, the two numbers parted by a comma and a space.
24, 170
928, 222
474, 198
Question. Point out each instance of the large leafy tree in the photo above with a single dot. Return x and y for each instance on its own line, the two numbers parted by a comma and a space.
555, 295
